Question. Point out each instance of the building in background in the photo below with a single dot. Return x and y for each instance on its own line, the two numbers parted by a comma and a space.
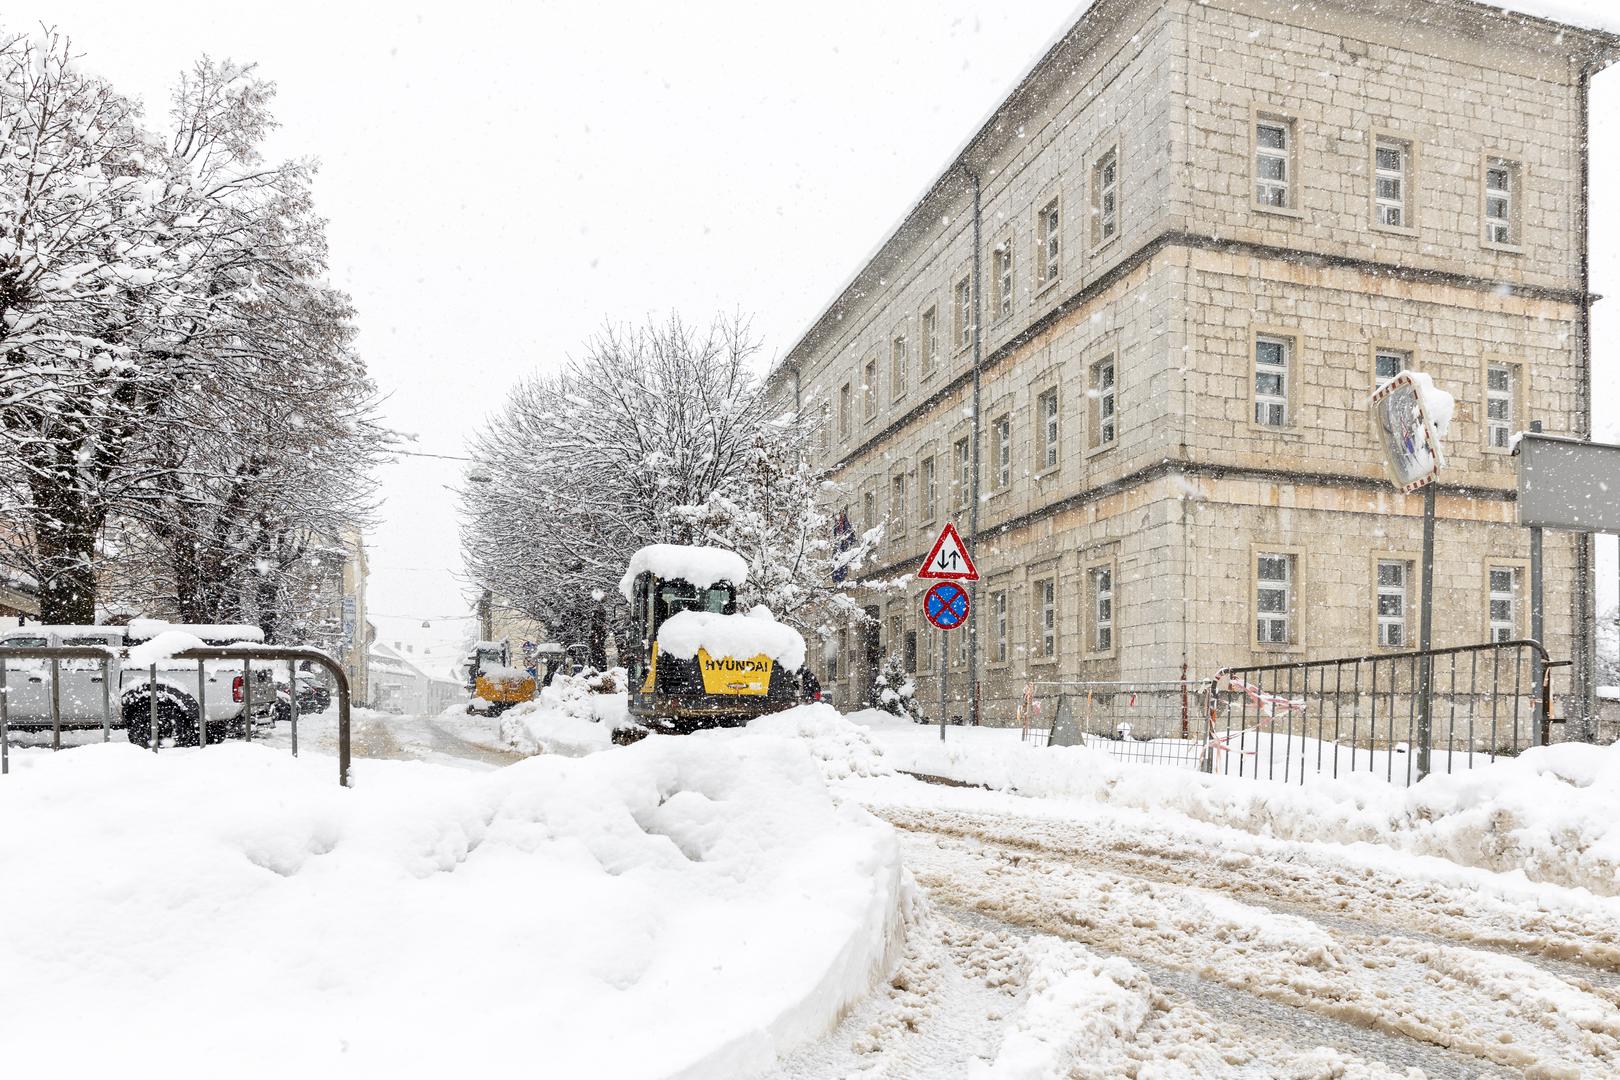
356, 632
397, 685
1206, 230
19, 598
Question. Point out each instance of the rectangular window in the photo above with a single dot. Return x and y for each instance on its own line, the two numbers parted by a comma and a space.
1001, 279
927, 492
998, 609
1271, 380
869, 389
1046, 415
1388, 363
1046, 628
869, 511
825, 434
910, 651
1102, 609
845, 398
1105, 198
895, 632
1504, 603
898, 360
1501, 201
1274, 163
1392, 183
897, 502
1274, 599
925, 654
1498, 405
1049, 241
1104, 410
1001, 448
930, 339
962, 465
962, 312
1394, 578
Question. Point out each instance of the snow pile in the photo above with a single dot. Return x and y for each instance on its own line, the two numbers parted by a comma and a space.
843, 749
1552, 812
1438, 405
699, 566
567, 718
140, 629
162, 646
738, 637
686, 907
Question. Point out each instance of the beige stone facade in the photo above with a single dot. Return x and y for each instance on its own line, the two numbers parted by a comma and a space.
1200, 225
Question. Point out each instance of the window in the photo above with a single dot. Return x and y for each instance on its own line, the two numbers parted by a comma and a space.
1102, 608
897, 501
1271, 380
824, 436
897, 365
1388, 363
961, 650
1274, 163
1046, 627
927, 493
962, 312
845, 407
869, 389
1104, 414
1501, 202
1392, 183
925, 655
929, 333
1049, 244
1105, 198
998, 610
1394, 578
1046, 416
1274, 598
1504, 603
909, 651
961, 470
1001, 449
895, 633
868, 511
1001, 279
1498, 405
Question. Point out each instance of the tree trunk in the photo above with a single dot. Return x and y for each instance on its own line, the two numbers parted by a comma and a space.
65, 532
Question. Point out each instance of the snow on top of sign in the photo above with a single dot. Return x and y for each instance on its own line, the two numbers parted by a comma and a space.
1438, 405
702, 566
741, 637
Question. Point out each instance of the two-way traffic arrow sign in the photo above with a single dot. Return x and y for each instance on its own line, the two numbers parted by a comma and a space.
949, 558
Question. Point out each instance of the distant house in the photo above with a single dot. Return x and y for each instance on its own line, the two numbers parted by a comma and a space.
398, 685
19, 598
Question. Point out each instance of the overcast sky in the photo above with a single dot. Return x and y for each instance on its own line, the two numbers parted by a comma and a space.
502, 177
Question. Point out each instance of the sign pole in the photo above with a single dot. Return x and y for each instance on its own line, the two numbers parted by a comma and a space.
1538, 620
944, 676
1426, 635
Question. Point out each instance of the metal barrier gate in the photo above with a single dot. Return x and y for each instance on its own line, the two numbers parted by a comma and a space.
1366, 713
108, 658
1160, 722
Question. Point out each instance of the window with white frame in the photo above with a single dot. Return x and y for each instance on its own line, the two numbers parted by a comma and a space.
1001, 279
1498, 405
927, 491
898, 361
961, 472
929, 333
998, 609
1046, 607
1274, 598
1104, 403
1271, 380
869, 388
1388, 363
1274, 163
1105, 198
1001, 448
844, 408
897, 502
1049, 241
1392, 183
1504, 603
962, 312
1046, 416
1102, 608
1394, 581
1501, 201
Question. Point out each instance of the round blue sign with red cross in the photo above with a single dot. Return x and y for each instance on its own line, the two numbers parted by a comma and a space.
946, 605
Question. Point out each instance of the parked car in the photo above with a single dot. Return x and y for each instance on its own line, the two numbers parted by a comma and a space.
313, 696
85, 698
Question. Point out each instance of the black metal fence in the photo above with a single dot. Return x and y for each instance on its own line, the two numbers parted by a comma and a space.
172, 703
1375, 714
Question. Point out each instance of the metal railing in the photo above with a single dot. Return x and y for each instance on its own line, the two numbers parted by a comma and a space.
1161, 722
170, 693
1375, 714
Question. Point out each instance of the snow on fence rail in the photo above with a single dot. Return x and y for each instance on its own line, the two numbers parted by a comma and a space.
170, 696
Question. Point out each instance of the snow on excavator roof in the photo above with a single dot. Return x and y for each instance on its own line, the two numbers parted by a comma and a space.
701, 566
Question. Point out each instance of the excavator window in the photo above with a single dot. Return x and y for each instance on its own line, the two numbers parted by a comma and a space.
676, 596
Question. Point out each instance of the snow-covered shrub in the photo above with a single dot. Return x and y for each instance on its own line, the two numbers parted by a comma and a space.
895, 690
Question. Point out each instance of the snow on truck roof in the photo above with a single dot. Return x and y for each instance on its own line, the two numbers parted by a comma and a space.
145, 629
702, 566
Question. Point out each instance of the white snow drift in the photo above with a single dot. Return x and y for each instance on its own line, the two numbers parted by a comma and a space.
684, 907
700, 566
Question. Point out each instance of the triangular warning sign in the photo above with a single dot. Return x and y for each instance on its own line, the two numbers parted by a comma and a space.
949, 558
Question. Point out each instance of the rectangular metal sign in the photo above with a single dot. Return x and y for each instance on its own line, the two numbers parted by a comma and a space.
1568, 484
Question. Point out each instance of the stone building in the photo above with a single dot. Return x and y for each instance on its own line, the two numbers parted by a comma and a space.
1206, 229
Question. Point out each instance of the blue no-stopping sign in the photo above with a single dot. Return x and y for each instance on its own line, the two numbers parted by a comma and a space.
946, 605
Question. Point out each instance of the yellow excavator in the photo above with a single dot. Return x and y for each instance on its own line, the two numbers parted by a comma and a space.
494, 684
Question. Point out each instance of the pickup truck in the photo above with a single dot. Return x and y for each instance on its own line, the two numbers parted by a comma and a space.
83, 695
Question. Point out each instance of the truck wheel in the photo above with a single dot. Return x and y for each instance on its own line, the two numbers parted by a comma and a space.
172, 721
